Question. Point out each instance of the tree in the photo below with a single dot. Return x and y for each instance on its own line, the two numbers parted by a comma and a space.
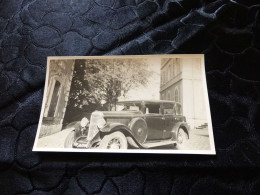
76, 107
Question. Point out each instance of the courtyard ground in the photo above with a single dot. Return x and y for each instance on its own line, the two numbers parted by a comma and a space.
55, 140
199, 140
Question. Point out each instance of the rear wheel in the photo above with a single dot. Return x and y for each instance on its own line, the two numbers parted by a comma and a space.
116, 140
182, 138
69, 140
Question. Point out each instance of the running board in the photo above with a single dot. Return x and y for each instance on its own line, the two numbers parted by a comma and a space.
153, 144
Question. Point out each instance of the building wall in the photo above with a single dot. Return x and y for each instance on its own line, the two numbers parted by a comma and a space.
171, 79
60, 76
170, 92
189, 82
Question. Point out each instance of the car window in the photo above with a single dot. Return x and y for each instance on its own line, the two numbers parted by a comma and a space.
169, 108
178, 109
169, 111
128, 107
152, 109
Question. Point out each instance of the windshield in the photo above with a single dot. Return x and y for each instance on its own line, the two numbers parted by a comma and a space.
121, 106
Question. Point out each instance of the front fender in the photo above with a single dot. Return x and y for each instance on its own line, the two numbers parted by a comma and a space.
119, 127
77, 129
176, 127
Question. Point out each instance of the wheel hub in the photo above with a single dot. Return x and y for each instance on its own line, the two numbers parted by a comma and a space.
180, 138
139, 131
114, 144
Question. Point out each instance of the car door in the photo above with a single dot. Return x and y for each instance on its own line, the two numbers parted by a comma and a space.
170, 119
155, 122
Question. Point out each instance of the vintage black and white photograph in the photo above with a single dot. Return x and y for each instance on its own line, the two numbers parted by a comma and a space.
136, 104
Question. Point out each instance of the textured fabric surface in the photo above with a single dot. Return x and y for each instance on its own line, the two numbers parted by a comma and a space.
228, 32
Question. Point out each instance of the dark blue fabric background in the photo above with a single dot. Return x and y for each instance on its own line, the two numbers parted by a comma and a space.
228, 32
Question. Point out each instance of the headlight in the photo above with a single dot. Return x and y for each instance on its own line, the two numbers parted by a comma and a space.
84, 122
101, 123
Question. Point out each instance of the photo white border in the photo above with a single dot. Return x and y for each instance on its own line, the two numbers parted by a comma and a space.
212, 150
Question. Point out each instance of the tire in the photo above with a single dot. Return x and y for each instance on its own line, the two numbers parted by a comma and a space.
182, 138
69, 140
116, 140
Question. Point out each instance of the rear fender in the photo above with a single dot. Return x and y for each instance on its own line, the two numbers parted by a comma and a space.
176, 127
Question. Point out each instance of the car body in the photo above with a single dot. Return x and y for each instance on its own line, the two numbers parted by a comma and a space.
139, 123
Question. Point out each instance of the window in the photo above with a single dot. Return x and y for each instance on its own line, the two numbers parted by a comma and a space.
176, 94
169, 108
54, 99
153, 108
121, 106
162, 96
178, 109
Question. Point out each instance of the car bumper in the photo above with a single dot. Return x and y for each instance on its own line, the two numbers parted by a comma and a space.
81, 142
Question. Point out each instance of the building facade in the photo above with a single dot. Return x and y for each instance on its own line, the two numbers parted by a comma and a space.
181, 81
60, 76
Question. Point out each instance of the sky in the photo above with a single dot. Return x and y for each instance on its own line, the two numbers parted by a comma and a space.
152, 90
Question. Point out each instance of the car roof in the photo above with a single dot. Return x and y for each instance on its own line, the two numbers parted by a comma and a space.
149, 101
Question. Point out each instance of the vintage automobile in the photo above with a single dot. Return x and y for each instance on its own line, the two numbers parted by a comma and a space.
136, 124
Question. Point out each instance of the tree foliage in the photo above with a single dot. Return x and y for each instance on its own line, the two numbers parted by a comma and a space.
114, 78
97, 84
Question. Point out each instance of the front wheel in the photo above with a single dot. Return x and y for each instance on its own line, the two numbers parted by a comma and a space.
116, 140
69, 140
